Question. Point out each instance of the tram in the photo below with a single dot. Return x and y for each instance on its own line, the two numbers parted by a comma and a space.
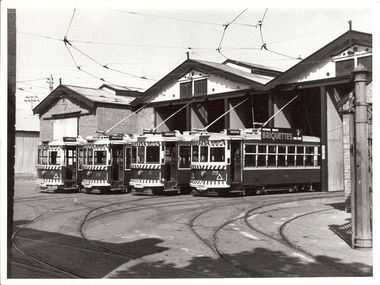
160, 163
59, 164
106, 163
254, 161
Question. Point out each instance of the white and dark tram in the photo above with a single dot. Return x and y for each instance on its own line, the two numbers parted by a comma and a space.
59, 164
160, 163
106, 163
254, 161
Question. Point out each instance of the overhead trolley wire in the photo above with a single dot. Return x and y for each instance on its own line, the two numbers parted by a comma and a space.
225, 26
181, 19
71, 21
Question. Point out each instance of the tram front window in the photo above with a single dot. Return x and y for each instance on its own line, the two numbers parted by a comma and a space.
140, 155
100, 157
195, 153
44, 157
134, 154
152, 154
54, 158
217, 154
204, 153
184, 156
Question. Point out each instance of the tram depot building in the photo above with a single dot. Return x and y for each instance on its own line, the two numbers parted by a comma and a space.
203, 90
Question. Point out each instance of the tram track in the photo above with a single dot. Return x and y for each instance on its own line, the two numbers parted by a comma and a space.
211, 242
88, 218
18, 247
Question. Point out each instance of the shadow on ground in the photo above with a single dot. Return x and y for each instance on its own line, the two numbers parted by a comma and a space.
96, 259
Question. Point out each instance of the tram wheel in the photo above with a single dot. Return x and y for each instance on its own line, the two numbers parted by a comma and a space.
104, 191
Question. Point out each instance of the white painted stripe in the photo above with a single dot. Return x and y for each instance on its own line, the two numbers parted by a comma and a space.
304, 257
248, 235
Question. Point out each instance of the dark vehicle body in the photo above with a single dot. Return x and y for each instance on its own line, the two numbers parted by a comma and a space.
160, 162
243, 162
59, 164
105, 163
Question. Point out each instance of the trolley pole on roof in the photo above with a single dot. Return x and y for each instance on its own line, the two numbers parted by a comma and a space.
361, 198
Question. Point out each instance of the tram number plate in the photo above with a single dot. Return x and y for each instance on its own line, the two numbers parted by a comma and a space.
215, 172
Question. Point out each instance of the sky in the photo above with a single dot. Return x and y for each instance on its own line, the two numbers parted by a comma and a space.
150, 43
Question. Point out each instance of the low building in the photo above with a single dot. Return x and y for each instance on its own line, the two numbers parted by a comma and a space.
72, 110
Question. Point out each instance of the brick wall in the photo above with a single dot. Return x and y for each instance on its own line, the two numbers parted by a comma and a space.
108, 117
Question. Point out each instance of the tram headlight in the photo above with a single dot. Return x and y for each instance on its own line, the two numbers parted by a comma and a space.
203, 173
163, 180
43, 173
89, 173
139, 173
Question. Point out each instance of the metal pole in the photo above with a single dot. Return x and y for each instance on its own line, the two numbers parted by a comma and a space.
362, 230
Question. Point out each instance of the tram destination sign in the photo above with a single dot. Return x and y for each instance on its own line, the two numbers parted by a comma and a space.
281, 135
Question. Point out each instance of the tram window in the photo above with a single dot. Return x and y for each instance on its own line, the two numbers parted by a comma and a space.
100, 157
71, 157
250, 160
39, 156
300, 149
271, 149
309, 160
250, 148
281, 160
128, 153
319, 160
184, 156
309, 150
195, 153
271, 160
281, 149
299, 160
89, 156
54, 158
85, 156
261, 161
134, 154
44, 156
204, 153
217, 154
152, 154
291, 149
140, 154
262, 149
80, 160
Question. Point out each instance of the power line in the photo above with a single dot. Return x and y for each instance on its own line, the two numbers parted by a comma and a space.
30, 80
68, 43
225, 26
71, 21
307, 34
180, 19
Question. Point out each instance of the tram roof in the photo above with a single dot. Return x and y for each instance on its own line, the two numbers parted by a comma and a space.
161, 137
61, 142
106, 140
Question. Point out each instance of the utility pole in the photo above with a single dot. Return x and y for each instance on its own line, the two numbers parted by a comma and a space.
362, 223
50, 81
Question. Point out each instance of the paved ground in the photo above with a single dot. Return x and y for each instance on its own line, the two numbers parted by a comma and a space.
124, 236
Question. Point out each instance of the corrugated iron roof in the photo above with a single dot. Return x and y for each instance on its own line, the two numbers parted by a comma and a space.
100, 95
247, 75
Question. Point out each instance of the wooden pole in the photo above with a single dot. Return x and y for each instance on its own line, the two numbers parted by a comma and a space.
362, 230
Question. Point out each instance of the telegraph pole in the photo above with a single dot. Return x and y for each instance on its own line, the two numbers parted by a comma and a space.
50, 81
362, 224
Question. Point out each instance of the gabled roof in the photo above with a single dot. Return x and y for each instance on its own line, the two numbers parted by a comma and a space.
220, 69
122, 90
260, 69
86, 95
338, 45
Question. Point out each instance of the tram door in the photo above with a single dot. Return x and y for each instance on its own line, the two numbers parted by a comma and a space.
236, 161
71, 163
170, 162
117, 163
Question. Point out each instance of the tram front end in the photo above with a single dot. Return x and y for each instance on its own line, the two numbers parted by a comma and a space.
209, 165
